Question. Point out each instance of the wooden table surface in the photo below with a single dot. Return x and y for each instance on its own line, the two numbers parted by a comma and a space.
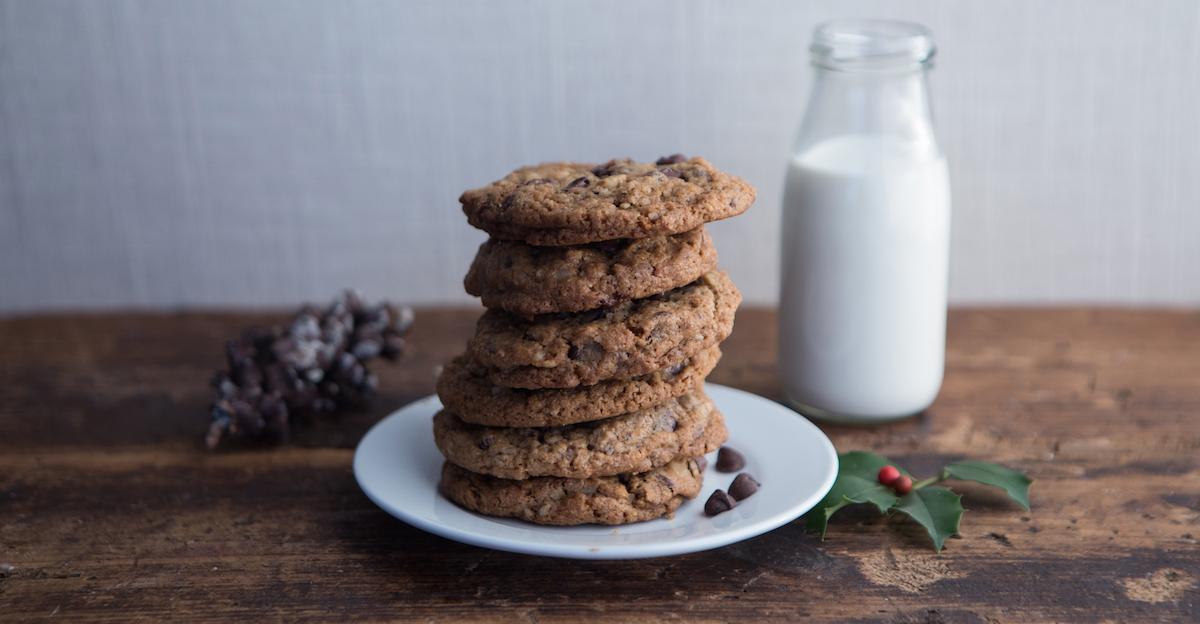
110, 509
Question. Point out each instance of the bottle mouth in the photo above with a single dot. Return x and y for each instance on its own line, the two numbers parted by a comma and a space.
872, 45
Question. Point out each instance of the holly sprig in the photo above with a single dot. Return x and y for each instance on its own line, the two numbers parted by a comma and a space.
936, 508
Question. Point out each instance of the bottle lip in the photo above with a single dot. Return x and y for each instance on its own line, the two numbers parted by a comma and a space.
860, 44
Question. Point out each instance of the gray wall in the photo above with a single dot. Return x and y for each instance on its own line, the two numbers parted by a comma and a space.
212, 153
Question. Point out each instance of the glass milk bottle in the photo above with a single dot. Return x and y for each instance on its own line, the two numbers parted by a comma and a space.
866, 230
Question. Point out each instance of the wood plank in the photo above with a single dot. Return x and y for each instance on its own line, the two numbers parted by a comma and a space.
110, 509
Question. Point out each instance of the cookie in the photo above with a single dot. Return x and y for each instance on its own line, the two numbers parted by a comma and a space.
527, 281
619, 499
686, 426
465, 390
628, 340
575, 203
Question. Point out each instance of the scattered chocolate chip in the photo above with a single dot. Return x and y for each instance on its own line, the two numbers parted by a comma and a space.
579, 182
743, 486
485, 442
702, 463
718, 503
670, 160
729, 460
671, 173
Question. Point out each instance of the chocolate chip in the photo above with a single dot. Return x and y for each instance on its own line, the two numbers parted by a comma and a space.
666, 422
743, 486
670, 372
671, 173
587, 353
670, 160
702, 463
579, 182
485, 442
718, 503
604, 170
729, 460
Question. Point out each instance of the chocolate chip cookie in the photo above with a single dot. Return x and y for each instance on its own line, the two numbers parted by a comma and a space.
628, 340
620, 499
527, 281
466, 391
686, 426
575, 203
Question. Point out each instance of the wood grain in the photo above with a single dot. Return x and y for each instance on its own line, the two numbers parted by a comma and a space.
110, 510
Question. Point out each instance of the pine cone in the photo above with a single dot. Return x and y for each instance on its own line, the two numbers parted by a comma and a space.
315, 364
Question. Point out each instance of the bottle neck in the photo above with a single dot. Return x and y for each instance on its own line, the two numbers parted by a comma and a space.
870, 78
894, 105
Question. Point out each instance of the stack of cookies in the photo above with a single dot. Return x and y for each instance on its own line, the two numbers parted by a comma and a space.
580, 397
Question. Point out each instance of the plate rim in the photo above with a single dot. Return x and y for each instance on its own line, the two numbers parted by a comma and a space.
580, 551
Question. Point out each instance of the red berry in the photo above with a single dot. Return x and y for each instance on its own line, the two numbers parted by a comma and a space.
903, 486
888, 475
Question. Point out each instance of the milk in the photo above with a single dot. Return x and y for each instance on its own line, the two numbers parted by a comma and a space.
865, 261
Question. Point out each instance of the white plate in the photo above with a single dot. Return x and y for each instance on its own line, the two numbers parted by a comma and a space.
398, 467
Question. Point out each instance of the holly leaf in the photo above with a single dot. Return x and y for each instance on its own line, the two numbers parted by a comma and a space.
817, 520
858, 472
860, 490
935, 508
864, 464
1014, 483
857, 482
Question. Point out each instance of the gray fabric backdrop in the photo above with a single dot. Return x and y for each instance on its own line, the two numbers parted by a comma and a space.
206, 153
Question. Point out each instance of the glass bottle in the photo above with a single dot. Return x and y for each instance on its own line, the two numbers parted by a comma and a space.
866, 230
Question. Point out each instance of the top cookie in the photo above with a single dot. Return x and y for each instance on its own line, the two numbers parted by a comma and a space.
573, 203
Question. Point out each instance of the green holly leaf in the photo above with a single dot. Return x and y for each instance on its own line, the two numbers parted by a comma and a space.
859, 490
935, 508
817, 520
1011, 481
857, 482
864, 464
858, 471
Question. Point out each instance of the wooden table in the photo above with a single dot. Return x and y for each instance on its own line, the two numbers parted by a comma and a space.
111, 510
